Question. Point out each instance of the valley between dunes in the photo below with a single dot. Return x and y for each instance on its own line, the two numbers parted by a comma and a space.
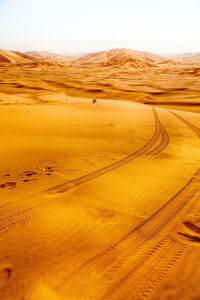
99, 199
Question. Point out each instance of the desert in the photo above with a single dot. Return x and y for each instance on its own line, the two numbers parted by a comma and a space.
99, 176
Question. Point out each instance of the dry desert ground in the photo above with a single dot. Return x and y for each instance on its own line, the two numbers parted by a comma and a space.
99, 199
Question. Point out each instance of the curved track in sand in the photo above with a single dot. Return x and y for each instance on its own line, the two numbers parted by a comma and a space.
193, 127
151, 226
163, 144
146, 261
32, 211
149, 250
139, 250
158, 258
159, 129
70, 184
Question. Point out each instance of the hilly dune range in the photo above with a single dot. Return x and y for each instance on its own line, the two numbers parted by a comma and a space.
99, 175
120, 74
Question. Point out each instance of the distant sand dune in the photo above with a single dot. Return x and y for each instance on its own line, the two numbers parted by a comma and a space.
120, 74
14, 57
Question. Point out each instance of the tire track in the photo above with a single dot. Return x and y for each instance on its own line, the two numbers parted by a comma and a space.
152, 263
61, 188
146, 230
25, 208
193, 127
155, 265
149, 271
164, 142
150, 267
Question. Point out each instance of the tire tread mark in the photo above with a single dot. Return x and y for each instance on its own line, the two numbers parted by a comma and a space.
85, 178
151, 226
170, 254
193, 127
153, 267
164, 142
61, 188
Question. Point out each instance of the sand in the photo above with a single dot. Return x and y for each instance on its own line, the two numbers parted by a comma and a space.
120, 74
98, 200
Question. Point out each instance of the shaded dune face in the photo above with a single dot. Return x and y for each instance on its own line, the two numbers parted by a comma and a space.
14, 57
4, 59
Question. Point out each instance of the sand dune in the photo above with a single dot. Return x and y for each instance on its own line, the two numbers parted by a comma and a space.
14, 57
99, 198
54, 57
104, 58
193, 58
118, 74
48, 56
120, 57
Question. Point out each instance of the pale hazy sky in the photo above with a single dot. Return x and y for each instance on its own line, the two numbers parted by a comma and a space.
61, 26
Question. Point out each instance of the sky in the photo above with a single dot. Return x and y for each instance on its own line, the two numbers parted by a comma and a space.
74, 26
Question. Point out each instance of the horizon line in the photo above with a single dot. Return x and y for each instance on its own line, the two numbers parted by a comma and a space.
97, 51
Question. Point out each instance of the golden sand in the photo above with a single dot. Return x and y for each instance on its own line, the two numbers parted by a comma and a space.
98, 200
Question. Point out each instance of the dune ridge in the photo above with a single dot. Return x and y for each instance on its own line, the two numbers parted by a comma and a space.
119, 74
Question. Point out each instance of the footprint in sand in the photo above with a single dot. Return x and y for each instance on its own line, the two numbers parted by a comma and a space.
27, 175
30, 173
8, 185
190, 230
5, 273
48, 170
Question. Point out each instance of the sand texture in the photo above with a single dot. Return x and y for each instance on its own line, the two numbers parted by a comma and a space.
119, 74
99, 199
